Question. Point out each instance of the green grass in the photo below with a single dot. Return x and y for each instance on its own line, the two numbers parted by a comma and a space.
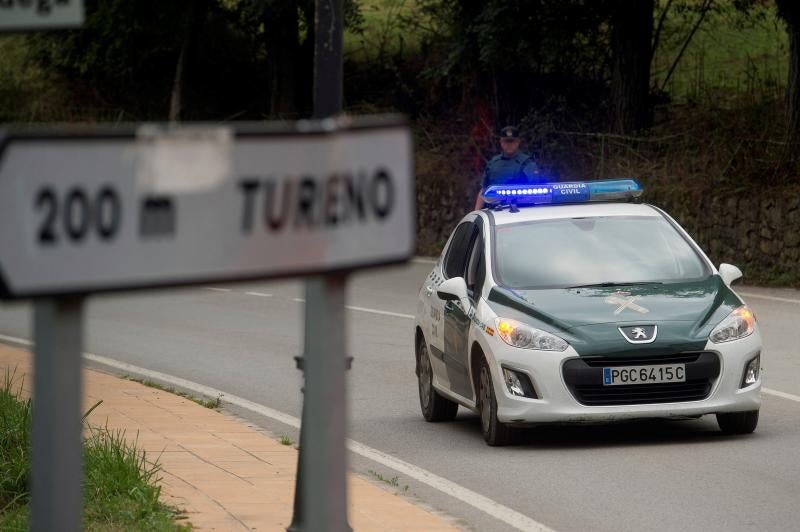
393, 481
120, 491
383, 32
729, 56
15, 423
286, 440
214, 403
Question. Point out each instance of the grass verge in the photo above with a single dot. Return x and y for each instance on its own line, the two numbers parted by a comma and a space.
214, 403
119, 485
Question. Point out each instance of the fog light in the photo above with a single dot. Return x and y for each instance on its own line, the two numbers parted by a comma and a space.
751, 372
518, 383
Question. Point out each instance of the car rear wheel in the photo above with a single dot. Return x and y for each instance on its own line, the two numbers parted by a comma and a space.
738, 422
494, 432
434, 406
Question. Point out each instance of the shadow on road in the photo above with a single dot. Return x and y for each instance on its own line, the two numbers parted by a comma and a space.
618, 434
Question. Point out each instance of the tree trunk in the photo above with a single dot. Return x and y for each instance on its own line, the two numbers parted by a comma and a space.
175, 101
305, 75
281, 38
631, 41
793, 87
197, 16
789, 11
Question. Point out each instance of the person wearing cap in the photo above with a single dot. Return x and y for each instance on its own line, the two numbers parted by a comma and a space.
509, 166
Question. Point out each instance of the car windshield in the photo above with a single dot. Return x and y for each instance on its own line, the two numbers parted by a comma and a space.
593, 251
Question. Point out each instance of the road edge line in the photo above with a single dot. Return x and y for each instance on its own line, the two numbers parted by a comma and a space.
782, 395
770, 298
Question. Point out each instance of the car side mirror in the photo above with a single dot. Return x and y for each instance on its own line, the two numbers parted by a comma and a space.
729, 273
453, 289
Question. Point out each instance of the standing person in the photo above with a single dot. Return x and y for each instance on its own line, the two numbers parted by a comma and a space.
509, 166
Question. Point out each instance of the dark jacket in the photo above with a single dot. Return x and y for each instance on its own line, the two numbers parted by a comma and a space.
501, 170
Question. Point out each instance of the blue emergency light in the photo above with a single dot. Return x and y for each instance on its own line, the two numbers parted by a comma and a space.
556, 193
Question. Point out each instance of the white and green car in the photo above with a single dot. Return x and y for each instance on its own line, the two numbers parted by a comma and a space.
572, 302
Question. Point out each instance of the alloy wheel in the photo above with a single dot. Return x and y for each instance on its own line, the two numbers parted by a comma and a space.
485, 399
425, 376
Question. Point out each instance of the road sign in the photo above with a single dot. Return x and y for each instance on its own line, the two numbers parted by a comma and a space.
86, 210
23, 15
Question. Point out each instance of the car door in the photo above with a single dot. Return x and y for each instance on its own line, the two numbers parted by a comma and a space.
450, 265
458, 314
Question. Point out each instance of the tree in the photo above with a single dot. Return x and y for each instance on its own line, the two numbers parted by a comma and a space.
789, 11
152, 59
631, 42
197, 15
515, 54
190, 59
286, 30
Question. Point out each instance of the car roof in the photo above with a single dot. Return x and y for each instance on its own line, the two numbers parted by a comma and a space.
583, 210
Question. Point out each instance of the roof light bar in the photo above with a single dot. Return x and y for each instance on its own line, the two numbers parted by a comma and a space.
556, 193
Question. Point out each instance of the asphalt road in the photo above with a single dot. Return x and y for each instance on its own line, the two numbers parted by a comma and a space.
678, 475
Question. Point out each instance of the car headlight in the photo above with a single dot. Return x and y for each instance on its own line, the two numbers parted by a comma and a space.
518, 334
739, 324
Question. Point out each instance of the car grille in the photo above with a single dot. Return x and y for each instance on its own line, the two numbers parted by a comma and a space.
584, 380
609, 362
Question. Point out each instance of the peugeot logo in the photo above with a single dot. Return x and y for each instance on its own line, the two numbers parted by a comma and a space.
639, 334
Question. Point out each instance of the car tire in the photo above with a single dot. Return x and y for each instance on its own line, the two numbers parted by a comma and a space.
738, 422
434, 407
494, 432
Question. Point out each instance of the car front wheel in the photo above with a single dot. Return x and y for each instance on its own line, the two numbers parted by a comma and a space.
494, 432
434, 406
738, 422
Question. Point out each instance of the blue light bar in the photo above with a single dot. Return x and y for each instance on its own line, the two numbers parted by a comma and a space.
556, 193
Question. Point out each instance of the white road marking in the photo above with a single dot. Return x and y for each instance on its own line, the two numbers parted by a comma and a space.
771, 298
448, 487
14, 340
476, 500
783, 395
423, 260
259, 294
381, 312
370, 310
215, 289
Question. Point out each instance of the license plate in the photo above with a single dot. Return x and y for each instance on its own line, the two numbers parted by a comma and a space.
644, 374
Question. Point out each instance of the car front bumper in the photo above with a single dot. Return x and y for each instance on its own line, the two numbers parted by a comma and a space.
557, 402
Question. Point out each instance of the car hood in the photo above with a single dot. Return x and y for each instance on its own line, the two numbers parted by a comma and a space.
588, 318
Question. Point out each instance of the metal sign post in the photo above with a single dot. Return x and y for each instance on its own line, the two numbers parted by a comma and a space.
321, 480
324, 484
56, 491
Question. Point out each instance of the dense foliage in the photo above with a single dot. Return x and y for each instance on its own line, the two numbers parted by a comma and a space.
227, 59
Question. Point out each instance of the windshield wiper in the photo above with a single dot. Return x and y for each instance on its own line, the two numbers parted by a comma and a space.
613, 283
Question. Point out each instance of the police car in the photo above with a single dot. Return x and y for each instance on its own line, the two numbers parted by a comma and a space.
575, 302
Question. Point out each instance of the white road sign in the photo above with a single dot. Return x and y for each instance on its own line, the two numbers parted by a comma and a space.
85, 210
23, 15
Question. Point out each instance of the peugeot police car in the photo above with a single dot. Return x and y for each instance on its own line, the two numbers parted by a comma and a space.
573, 302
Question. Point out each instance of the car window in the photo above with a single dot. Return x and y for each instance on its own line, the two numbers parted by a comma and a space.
456, 258
577, 251
476, 268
